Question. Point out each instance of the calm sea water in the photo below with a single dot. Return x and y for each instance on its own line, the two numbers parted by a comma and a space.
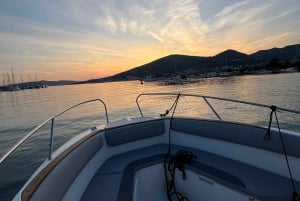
21, 111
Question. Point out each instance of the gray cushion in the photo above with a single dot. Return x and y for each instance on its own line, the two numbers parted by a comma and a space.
133, 132
238, 133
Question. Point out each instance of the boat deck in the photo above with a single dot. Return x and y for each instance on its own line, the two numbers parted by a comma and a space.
106, 165
114, 180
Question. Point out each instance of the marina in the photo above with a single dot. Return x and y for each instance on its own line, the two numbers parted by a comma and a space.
10, 83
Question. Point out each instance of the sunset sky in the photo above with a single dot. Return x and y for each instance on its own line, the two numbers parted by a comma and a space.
85, 39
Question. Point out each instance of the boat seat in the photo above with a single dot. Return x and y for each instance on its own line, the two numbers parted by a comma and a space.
114, 181
59, 179
252, 136
134, 132
106, 182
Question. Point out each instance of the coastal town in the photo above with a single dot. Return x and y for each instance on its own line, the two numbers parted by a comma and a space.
222, 72
175, 76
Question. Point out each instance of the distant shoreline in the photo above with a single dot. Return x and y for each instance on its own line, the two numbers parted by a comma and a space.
170, 80
182, 76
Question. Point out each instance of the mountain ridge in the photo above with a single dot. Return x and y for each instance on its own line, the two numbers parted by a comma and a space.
176, 63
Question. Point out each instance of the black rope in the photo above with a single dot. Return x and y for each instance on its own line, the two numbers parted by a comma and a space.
169, 145
171, 120
295, 194
178, 161
268, 136
173, 105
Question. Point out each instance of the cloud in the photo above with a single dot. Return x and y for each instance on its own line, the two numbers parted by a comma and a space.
111, 24
276, 40
231, 8
155, 36
238, 14
117, 35
26, 43
123, 26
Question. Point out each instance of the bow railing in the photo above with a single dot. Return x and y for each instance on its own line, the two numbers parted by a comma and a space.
209, 104
51, 119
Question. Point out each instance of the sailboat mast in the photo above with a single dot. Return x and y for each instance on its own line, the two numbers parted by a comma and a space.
21, 79
8, 79
3, 75
12, 77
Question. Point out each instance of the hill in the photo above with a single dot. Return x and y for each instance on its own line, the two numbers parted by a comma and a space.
58, 83
168, 64
178, 63
291, 52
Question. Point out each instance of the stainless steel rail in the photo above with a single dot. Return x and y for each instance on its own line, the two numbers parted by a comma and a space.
209, 104
176, 95
21, 141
